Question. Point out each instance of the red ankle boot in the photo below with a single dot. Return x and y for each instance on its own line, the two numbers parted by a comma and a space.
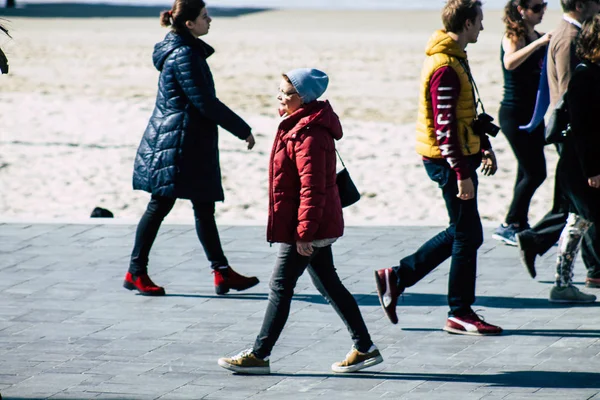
143, 284
226, 278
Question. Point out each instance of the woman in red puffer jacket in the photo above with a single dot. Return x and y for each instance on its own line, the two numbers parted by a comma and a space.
305, 216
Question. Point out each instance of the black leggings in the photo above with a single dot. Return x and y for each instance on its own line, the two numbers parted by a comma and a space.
529, 151
158, 208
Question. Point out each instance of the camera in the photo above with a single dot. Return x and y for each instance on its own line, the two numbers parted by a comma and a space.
483, 125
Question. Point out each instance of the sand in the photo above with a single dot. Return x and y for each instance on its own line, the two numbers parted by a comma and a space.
81, 90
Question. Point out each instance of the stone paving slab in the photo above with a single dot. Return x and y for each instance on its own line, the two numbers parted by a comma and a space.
68, 330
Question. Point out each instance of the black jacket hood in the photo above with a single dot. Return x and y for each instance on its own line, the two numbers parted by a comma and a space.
172, 42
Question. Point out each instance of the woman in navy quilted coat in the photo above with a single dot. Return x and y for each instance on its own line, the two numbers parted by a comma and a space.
178, 157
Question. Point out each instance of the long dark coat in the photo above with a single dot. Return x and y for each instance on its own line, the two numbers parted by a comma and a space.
579, 159
178, 156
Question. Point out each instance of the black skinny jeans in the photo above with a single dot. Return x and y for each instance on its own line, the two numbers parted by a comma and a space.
460, 240
289, 267
158, 208
529, 151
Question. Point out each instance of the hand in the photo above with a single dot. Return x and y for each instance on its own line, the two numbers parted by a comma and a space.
251, 142
304, 248
545, 39
489, 165
594, 182
466, 190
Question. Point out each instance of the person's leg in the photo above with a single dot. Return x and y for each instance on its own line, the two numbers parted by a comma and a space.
364, 353
391, 282
529, 152
206, 228
463, 269
584, 202
323, 274
137, 277
439, 248
147, 230
590, 254
468, 238
225, 277
543, 235
288, 268
568, 246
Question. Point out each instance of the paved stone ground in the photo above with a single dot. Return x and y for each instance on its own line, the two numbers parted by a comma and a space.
68, 330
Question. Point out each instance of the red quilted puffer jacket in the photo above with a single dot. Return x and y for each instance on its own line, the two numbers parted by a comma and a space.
304, 203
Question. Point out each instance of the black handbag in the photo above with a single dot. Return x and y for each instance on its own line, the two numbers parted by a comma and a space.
558, 124
349, 194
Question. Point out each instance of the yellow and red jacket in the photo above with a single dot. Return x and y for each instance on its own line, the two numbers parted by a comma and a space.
443, 51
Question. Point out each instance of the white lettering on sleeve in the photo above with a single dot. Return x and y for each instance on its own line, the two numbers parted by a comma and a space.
442, 121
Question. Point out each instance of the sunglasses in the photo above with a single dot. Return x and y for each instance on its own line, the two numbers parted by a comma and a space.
538, 8
287, 94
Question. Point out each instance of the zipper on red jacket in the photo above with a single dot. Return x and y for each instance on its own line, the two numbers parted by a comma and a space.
271, 183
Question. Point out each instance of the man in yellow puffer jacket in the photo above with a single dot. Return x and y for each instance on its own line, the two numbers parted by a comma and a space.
452, 151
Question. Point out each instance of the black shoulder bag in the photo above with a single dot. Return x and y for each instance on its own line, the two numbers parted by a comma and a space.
349, 194
558, 125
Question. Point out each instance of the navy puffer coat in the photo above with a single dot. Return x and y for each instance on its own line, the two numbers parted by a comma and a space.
178, 156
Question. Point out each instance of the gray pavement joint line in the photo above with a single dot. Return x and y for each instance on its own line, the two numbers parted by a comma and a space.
55, 228
32, 256
83, 231
171, 391
166, 343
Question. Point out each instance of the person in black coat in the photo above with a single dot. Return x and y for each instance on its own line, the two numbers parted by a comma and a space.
3, 59
178, 157
579, 165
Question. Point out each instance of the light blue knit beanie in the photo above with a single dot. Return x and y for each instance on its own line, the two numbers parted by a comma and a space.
310, 83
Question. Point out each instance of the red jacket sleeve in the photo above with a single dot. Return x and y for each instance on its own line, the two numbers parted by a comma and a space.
310, 158
444, 88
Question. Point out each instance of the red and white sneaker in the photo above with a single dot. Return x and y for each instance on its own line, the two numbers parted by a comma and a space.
471, 324
388, 292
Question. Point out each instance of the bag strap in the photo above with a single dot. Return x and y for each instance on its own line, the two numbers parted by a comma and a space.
340, 157
474, 89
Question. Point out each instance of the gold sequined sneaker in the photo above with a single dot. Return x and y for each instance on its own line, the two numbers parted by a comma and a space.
355, 360
246, 363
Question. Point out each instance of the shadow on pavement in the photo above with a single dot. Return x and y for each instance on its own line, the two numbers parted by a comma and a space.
311, 298
407, 300
77, 10
522, 379
436, 300
525, 379
574, 283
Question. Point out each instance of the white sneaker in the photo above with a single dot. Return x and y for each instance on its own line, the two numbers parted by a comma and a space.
355, 360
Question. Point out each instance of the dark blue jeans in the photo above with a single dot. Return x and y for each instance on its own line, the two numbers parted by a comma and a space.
460, 241
289, 267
